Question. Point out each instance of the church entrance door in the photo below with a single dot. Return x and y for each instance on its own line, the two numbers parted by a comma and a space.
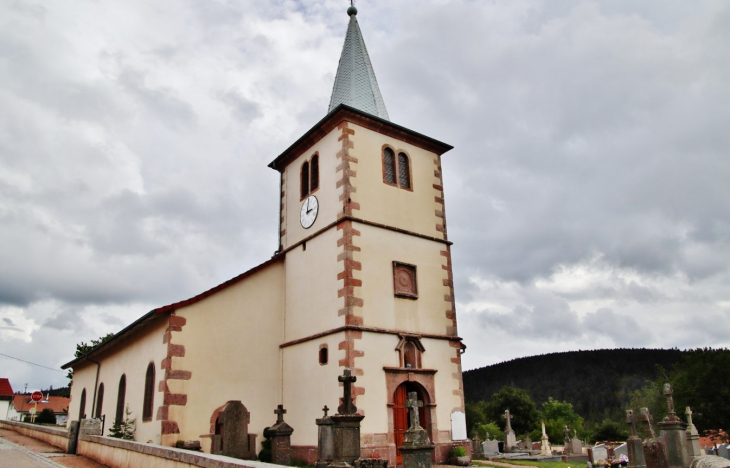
401, 418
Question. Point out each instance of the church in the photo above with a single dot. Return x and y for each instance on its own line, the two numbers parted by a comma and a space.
362, 280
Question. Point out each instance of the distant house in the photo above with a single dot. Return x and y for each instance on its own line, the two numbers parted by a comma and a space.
6, 397
21, 404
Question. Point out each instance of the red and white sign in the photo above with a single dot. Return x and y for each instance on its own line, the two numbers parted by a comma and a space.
36, 396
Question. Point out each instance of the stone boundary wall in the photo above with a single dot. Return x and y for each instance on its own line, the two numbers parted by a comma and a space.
58, 437
118, 453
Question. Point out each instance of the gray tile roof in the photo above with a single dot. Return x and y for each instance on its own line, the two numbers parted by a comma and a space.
355, 84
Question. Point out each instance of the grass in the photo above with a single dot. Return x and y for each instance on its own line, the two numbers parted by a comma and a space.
541, 464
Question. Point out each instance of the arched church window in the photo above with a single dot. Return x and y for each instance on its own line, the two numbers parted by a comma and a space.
410, 350
305, 179
99, 400
404, 171
149, 393
409, 355
389, 166
82, 405
120, 397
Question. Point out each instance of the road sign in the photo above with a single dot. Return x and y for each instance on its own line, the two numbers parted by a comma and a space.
36, 396
32, 410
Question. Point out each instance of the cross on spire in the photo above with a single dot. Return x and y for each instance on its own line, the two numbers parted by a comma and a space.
347, 406
280, 412
413, 403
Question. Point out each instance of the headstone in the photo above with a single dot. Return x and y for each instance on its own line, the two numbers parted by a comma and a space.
325, 444
416, 449
655, 454
723, 451
231, 436
476, 445
490, 448
598, 453
576, 446
674, 432
693, 437
634, 446
510, 440
622, 449
90, 427
346, 431
280, 434
545, 449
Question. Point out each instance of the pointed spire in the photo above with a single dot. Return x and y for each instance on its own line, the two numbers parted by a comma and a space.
355, 83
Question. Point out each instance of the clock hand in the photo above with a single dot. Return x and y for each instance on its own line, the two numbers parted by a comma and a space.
308, 208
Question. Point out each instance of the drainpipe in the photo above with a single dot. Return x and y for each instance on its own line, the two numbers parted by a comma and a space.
96, 386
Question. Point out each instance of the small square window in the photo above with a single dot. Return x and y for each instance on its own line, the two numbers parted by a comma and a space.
404, 280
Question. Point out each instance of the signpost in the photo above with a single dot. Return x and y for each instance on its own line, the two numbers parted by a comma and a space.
35, 398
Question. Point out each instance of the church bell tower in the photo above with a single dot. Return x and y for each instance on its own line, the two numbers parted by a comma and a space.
368, 272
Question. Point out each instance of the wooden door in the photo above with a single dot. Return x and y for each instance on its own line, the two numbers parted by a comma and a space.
400, 419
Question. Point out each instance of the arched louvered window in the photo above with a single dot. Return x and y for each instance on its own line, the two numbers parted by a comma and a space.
149, 393
314, 176
404, 171
389, 166
99, 400
120, 397
305, 179
82, 405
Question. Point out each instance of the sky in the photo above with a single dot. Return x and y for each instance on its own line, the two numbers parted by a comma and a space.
587, 196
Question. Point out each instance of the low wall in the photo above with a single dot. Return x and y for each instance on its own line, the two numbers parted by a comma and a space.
55, 436
118, 453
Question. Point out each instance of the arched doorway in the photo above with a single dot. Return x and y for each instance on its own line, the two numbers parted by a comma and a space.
401, 417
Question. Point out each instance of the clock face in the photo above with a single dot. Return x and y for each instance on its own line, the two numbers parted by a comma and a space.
309, 212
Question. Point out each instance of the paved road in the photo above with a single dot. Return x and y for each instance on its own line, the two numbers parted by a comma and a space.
19, 451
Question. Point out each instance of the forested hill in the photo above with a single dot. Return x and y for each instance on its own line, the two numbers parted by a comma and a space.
595, 382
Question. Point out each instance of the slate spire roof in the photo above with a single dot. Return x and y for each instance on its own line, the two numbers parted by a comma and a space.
355, 83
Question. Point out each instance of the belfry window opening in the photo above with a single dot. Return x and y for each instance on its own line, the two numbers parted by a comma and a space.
396, 171
309, 177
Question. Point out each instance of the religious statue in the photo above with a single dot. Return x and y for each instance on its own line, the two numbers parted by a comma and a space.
566, 432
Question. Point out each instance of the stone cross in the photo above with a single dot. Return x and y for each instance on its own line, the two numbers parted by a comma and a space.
688, 412
347, 406
632, 422
646, 416
413, 403
566, 432
325, 409
508, 418
670, 401
280, 412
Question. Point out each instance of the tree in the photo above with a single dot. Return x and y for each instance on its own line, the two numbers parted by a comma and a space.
557, 415
84, 348
46, 417
123, 428
474, 413
519, 404
609, 431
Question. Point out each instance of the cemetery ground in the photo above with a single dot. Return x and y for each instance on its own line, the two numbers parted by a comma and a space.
526, 463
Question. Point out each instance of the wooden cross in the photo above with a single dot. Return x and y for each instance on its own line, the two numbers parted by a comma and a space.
347, 406
325, 409
280, 412
413, 403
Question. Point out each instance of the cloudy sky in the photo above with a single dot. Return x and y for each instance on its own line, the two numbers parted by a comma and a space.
587, 195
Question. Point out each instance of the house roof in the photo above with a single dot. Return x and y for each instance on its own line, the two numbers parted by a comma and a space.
355, 83
154, 314
5, 388
58, 404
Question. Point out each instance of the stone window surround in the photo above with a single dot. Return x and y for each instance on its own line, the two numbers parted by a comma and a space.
406, 338
396, 169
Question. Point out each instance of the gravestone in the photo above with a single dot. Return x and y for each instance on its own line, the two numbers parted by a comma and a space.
231, 436
655, 454
576, 446
710, 461
416, 449
325, 444
346, 430
280, 434
723, 451
510, 440
693, 437
90, 427
490, 448
622, 449
598, 453
476, 445
634, 446
545, 449
674, 433
458, 426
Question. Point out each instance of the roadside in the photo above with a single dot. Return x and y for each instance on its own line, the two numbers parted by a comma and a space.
19, 451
